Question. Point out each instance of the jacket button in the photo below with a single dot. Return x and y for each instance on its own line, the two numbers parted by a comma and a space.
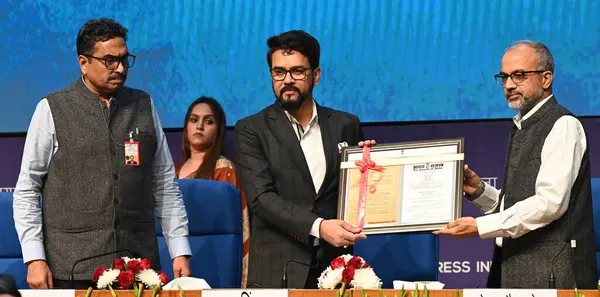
116, 177
116, 201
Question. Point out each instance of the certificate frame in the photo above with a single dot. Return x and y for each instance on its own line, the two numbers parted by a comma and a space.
403, 154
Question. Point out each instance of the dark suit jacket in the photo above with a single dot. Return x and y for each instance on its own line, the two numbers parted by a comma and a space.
280, 191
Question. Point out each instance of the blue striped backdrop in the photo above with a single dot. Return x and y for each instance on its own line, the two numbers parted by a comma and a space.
384, 60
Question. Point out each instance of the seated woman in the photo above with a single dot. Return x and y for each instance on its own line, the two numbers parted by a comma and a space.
203, 137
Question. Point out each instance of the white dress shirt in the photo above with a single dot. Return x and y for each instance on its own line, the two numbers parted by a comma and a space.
40, 146
561, 157
312, 146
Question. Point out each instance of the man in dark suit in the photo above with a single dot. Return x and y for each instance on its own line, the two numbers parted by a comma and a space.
288, 159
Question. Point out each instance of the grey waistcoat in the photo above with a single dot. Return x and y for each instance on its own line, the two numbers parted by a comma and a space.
527, 261
92, 202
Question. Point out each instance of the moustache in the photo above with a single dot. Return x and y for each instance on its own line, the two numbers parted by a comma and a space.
290, 88
118, 76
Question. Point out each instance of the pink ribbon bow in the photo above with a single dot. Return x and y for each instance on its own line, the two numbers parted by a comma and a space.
364, 165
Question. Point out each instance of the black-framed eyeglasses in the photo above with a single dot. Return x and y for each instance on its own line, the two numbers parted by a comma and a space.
112, 62
297, 73
517, 77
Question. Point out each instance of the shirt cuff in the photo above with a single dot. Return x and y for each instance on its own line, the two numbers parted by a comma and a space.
490, 226
33, 250
314, 231
179, 246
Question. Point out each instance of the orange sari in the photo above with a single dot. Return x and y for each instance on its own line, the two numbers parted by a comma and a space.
225, 172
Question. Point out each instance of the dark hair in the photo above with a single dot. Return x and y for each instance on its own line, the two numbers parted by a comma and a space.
98, 31
8, 285
207, 169
295, 40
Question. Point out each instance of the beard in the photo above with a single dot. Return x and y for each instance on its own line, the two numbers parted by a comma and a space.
291, 103
527, 102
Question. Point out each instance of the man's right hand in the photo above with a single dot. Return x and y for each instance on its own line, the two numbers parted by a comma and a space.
339, 233
39, 275
471, 182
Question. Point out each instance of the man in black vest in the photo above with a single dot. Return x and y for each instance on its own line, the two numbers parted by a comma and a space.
103, 204
542, 218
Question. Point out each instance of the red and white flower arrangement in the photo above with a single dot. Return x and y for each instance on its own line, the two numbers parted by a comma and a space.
128, 273
349, 271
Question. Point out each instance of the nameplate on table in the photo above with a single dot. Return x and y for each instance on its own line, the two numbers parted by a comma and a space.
510, 293
47, 293
245, 293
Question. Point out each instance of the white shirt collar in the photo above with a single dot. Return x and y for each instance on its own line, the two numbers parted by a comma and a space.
518, 120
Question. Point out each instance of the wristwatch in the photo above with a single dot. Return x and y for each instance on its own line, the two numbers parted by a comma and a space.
478, 193
480, 190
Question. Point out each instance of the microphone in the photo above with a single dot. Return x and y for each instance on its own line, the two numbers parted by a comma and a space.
318, 256
133, 254
552, 279
8, 285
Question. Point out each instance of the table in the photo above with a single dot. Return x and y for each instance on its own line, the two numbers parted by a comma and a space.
271, 293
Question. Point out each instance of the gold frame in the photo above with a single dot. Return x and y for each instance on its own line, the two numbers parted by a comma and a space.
403, 228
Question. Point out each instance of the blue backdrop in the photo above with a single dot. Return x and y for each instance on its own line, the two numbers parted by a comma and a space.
385, 60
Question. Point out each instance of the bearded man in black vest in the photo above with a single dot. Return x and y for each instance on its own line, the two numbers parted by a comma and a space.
104, 204
542, 218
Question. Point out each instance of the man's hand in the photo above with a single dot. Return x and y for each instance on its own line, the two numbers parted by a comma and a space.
471, 182
39, 275
367, 142
181, 267
339, 233
463, 227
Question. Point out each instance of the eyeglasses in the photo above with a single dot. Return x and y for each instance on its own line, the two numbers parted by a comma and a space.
517, 77
297, 73
112, 63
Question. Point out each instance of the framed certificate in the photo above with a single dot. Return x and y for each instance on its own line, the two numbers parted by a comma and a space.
409, 187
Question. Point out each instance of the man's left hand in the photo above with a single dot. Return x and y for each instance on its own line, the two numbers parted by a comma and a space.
181, 267
463, 227
367, 142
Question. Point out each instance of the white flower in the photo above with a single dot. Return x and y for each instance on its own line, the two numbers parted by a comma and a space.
330, 278
107, 278
346, 257
129, 259
148, 277
365, 278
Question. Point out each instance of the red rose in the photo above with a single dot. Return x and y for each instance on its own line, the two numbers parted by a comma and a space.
338, 263
146, 264
355, 262
366, 266
98, 273
347, 275
119, 263
126, 279
133, 265
164, 279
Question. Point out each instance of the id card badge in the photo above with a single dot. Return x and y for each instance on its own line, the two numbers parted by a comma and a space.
132, 153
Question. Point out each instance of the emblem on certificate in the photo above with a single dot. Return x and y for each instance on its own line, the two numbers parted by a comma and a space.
402, 187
